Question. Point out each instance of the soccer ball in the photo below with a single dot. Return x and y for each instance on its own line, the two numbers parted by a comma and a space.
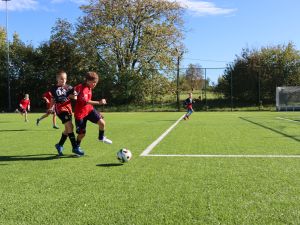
124, 155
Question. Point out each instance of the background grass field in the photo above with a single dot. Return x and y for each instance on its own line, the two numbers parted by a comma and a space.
39, 188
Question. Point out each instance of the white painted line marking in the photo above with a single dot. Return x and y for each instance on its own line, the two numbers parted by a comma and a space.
281, 118
150, 147
230, 156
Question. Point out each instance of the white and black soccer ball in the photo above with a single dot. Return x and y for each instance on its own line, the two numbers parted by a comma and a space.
124, 155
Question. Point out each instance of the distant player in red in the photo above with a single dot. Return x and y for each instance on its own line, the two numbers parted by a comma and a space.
84, 109
24, 106
189, 106
47, 96
61, 94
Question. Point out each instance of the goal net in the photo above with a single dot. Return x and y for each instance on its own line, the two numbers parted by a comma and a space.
288, 98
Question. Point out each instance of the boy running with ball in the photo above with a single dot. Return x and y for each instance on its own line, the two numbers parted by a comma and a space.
84, 109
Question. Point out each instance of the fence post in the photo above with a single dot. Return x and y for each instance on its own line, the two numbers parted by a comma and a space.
205, 89
178, 70
231, 90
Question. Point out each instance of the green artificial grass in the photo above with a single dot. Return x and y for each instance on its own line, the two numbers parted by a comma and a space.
37, 187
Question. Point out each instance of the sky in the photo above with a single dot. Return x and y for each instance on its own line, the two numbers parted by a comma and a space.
215, 30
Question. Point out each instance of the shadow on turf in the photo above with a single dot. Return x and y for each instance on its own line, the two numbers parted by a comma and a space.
17, 130
13, 130
110, 164
271, 129
38, 157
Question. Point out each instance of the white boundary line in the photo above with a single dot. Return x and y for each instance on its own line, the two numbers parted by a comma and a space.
281, 118
230, 156
150, 147
161, 137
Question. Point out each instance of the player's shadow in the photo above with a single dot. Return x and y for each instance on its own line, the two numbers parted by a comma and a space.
271, 129
38, 157
13, 130
110, 164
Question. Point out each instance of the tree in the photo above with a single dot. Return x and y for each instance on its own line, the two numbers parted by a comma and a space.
194, 76
129, 38
256, 73
61, 53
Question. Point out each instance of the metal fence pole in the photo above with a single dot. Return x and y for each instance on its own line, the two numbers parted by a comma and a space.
259, 100
231, 90
8, 64
205, 89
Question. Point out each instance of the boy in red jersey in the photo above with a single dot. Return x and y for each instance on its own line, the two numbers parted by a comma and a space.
189, 106
61, 94
24, 106
84, 108
47, 98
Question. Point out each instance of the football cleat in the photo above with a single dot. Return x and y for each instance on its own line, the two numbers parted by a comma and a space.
78, 151
59, 149
105, 140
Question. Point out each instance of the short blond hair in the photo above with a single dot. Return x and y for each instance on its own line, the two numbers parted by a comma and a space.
60, 72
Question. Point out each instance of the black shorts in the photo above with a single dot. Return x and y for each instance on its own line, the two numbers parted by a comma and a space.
65, 117
93, 116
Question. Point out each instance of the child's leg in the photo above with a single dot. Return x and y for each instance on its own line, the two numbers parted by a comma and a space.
43, 116
71, 135
63, 138
79, 138
26, 119
80, 129
190, 111
101, 124
101, 136
54, 119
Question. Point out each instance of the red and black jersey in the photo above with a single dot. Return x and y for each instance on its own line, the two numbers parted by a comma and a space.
60, 94
188, 103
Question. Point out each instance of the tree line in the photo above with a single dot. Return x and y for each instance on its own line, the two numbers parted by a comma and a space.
134, 46
129, 43
255, 74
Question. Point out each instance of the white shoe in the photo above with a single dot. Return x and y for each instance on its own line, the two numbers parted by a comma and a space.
106, 140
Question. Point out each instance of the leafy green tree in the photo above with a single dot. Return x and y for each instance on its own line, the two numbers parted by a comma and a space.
61, 53
129, 38
194, 77
256, 73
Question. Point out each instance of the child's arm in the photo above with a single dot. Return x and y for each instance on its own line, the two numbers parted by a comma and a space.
51, 108
101, 102
46, 100
73, 97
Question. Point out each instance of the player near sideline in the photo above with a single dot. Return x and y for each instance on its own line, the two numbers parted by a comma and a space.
61, 94
189, 106
47, 98
24, 106
84, 108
